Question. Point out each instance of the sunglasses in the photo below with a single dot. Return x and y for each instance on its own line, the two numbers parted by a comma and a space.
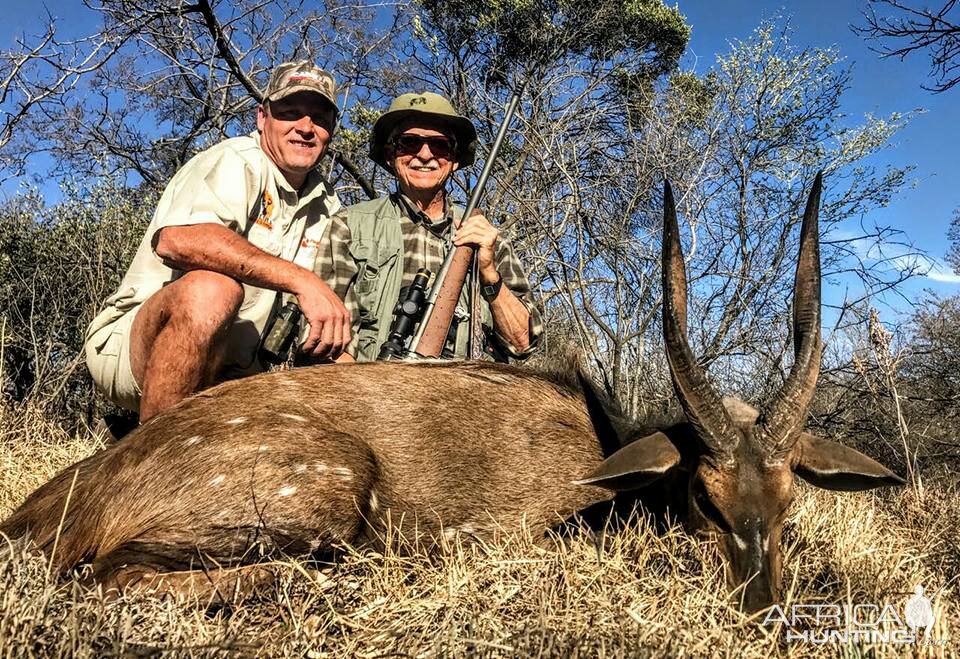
410, 145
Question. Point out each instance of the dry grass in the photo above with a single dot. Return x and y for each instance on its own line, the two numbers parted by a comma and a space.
643, 594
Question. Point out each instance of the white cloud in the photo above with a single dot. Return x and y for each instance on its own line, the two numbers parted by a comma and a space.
899, 256
928, 267
941, 273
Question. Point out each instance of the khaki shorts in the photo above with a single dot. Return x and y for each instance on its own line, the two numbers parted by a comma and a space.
108, 359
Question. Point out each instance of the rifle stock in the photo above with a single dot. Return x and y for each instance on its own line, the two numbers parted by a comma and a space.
429, 342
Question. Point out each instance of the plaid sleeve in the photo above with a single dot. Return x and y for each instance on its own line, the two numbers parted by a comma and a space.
515, 279
336, 266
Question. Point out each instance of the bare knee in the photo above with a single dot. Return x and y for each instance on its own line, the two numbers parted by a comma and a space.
206, 297
197, 308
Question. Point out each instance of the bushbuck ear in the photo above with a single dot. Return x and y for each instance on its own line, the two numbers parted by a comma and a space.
833, 466
636, 464
603, 422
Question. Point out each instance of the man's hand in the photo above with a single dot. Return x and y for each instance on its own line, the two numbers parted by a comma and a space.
215, 247
478, 232
329, 319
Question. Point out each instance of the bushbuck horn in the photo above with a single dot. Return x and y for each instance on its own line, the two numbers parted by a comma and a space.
702, 405
786, 413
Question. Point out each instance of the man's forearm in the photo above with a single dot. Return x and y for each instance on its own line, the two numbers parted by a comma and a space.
511, 319
215, 247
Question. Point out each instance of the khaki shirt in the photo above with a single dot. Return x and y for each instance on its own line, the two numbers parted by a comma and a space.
233, 183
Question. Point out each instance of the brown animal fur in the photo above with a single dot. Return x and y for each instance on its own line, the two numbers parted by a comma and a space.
299, 461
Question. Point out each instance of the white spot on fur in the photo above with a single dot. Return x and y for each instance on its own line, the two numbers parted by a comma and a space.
300, 469
294, 417
263, 448
320, 468
219, 479
766, 544
193, 440
239, 419
468, 528
374, 502
740, 543
287, 490
344, 473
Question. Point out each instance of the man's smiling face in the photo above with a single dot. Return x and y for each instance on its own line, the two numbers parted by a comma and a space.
295, 131
423, 157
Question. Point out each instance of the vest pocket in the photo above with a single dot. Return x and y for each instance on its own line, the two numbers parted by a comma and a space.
372, 270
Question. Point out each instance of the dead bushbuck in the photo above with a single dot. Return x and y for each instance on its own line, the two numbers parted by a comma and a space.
298, 462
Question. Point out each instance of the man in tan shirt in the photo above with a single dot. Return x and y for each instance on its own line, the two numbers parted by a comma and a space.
239, 222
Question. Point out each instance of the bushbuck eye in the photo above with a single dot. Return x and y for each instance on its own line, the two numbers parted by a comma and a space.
710, 511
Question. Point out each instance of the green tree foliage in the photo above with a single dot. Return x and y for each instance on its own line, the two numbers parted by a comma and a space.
58, 264
537, 33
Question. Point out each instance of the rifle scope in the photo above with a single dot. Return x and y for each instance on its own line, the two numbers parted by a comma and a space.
406, 315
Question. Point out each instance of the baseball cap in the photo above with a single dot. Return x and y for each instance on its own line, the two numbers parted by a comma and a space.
301, 76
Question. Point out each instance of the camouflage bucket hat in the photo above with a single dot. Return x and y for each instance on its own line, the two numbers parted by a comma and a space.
301, 76
429, 106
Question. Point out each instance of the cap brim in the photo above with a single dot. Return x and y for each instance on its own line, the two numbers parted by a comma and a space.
294, 89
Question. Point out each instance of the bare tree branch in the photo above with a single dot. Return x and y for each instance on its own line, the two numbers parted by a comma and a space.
903, 30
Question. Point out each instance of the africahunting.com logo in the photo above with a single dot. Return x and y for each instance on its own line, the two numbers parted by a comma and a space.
824, 624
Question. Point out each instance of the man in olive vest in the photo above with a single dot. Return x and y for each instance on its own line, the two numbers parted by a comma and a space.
239, 222
373, 249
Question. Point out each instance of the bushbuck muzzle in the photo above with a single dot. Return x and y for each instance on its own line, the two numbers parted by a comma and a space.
303, 461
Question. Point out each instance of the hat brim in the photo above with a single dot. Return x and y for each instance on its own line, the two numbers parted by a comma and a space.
462, 128
294, 89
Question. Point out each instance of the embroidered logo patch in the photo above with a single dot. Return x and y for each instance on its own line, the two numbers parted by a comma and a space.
266, 211
305, 75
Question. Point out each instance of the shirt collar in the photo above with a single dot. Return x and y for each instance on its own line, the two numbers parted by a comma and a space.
417, 216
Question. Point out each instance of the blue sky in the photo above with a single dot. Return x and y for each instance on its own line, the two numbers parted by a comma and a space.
879, 86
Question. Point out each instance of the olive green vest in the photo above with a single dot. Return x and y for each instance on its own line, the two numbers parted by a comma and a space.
376, 245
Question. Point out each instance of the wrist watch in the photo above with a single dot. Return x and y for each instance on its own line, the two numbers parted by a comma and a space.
490, 291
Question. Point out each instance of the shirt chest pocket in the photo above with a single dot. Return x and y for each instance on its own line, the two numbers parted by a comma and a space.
375, 272
265, 238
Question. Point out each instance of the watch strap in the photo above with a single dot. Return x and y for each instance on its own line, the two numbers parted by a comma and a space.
490, 291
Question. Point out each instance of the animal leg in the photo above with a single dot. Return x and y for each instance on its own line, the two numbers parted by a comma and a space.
218, 586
